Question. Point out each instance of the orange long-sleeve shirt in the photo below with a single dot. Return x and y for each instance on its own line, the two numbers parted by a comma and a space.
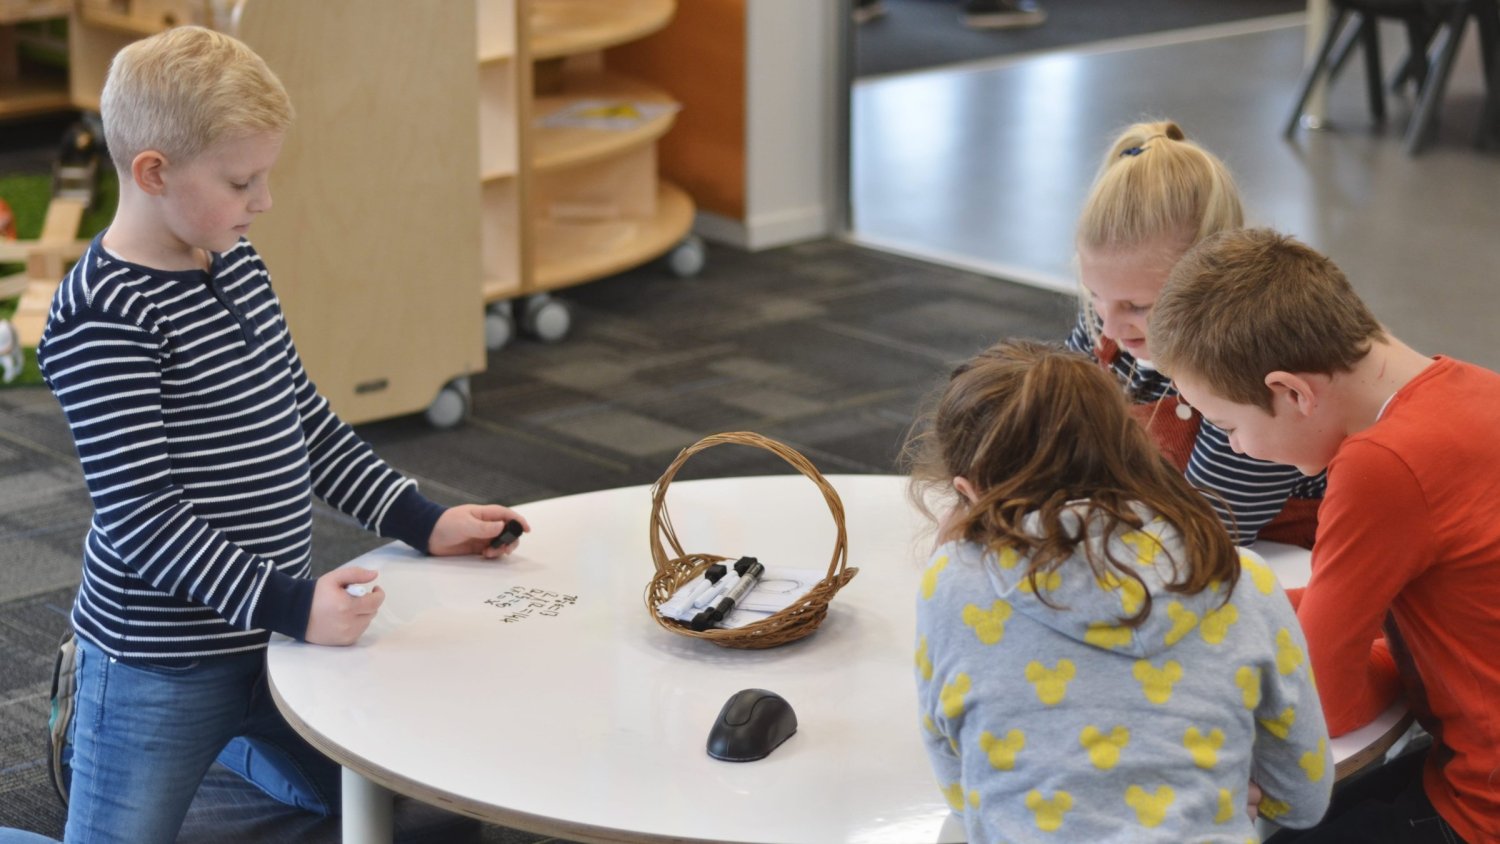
1411, 525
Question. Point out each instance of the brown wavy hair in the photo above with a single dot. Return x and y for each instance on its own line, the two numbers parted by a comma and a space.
1034, 427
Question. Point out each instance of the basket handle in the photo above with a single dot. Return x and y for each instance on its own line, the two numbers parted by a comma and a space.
661, 523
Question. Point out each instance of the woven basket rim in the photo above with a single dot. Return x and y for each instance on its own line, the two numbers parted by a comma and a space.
673, 570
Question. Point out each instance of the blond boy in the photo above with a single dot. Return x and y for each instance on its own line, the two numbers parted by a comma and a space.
202, 442
1269, 341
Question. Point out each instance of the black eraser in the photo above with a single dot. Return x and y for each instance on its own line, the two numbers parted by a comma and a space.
743, 564
510, 533
715, 572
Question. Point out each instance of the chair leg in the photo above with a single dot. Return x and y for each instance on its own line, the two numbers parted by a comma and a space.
1414, 68
1487, 14
1344, 49
1315, 70
1424, 118
1369, 29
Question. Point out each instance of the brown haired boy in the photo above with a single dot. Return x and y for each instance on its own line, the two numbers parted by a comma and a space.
1267, 338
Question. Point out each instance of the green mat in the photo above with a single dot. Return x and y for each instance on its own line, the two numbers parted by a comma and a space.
28, 195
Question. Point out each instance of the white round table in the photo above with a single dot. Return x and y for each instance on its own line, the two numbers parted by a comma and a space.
580, 717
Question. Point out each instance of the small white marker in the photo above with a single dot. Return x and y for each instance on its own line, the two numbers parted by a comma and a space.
359, 590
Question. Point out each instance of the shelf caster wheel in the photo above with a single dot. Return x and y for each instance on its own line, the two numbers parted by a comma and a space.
688, 257
545, 318
451, 405
499, 326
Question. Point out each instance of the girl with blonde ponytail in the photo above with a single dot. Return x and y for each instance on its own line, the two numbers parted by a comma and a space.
1158, 193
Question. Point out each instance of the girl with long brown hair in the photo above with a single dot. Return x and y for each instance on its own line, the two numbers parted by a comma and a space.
1096, 660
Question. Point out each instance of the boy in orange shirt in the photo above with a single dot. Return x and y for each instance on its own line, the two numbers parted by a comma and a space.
1269, 341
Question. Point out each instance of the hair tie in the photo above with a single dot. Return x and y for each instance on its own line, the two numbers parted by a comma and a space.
1134, 151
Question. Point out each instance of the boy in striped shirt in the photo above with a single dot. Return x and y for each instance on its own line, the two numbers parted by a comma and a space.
202, 442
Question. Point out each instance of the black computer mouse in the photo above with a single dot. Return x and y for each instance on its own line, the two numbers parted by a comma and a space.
752, 723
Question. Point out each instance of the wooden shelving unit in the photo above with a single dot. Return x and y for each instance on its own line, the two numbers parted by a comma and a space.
417, 186
25, 90
374, 241
560, 28
588, 202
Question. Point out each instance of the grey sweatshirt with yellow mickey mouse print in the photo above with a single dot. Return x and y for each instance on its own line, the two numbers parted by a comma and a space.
1057, 723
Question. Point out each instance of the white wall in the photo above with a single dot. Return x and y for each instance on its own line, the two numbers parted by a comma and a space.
791, 82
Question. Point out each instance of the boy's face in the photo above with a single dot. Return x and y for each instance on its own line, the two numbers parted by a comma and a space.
1296, 435
210, 200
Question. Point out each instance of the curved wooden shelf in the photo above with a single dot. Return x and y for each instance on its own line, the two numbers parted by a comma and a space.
554, 148
572, 253
35, 95
565, 27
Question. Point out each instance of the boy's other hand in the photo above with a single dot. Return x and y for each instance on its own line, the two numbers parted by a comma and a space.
468, 529
338, 618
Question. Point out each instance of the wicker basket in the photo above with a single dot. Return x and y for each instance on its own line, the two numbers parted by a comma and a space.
788, 625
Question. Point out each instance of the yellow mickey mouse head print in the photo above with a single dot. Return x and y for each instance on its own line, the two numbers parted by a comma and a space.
1049, 813
1156, 683
1216, 623
1008, 558
1051, 683
1281, 725
1051, 581
1248, 680
1272, 808
1104, 748
952, 696
1288, 655
1132, 592
989, 625
924, 662
1183, 621
1227, 808
1314, 762
930, 576
1204, 748
954, 794
1150, 809
1002, 751
1145, 545
1102, 634
1261, 575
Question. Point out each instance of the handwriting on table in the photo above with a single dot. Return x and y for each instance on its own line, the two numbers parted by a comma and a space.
520, 603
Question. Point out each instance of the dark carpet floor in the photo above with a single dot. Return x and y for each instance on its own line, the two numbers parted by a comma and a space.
825, 346
916, 34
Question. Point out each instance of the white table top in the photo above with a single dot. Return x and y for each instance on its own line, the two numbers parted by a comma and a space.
591, 723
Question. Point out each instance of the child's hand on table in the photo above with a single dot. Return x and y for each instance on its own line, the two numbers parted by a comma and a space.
468, 529
338, 618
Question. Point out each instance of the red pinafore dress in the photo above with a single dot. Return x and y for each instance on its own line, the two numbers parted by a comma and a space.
1173, 425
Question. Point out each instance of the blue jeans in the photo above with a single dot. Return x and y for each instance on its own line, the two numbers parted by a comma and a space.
145, 734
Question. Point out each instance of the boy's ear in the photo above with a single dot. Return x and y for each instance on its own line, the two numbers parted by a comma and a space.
146, 170
1302, 392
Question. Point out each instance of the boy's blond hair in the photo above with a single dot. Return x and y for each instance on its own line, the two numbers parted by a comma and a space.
1245, 303
182, 90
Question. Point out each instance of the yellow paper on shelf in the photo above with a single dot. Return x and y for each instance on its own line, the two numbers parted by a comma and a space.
609, 115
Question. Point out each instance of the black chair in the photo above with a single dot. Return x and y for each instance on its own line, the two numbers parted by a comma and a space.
1435, 28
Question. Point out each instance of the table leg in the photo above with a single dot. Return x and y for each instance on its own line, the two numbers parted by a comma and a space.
367, 810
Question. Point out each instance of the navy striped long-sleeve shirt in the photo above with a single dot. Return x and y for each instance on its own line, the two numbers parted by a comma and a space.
1252, 491
202, 442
